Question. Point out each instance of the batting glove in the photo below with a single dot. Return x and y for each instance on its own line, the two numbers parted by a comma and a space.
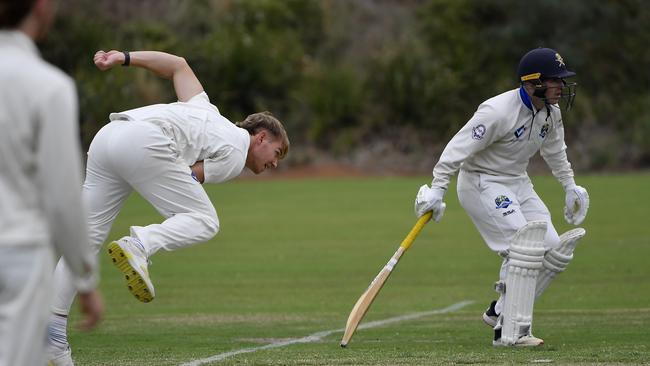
430, 199
577, 204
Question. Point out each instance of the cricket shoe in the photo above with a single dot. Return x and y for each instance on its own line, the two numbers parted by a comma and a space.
59, 357
490, 316
527, 340
129, 257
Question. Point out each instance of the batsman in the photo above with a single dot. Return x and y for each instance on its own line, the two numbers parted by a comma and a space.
491, 153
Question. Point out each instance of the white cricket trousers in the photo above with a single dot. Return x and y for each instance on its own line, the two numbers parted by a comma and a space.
137, 155
499, 206
25, 298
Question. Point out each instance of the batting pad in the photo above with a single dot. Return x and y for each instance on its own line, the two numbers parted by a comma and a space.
524, 262
556, 260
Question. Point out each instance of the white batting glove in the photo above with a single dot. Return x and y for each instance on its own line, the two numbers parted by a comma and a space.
577, 204
430, 199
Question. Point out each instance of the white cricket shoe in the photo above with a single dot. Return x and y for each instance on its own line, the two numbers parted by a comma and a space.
59, 357
523, 341
529, 341
129, 257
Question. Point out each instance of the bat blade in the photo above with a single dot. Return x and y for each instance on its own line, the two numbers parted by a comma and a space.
363, 304
366, 299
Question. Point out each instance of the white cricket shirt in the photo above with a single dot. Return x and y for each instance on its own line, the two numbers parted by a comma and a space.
40, 157
199, 132
504, 133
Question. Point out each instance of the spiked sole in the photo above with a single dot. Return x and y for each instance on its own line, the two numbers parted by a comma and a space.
137, 285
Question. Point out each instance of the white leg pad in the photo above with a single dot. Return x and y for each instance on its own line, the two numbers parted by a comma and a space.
524, 262
557, 259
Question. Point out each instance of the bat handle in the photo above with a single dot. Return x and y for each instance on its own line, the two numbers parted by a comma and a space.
406, 243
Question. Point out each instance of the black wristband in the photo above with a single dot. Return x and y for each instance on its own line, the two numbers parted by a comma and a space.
127, 58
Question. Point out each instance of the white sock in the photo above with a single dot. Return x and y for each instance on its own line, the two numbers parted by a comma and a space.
57, 332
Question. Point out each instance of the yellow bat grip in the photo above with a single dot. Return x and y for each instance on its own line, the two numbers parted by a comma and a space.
406, 243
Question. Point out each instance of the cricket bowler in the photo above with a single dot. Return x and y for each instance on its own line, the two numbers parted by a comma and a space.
164, 152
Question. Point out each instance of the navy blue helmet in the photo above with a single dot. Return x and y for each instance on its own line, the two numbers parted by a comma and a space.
545, 63
542, 63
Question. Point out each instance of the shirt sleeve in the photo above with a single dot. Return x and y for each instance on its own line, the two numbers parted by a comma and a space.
59, 179
226, 165
202, 100
554, 153
485, 127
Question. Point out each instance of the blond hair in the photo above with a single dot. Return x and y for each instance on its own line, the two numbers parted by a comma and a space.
265, 120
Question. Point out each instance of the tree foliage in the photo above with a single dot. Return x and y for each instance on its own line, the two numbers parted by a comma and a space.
341, 73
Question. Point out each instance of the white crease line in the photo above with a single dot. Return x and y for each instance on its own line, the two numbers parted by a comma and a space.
319, 335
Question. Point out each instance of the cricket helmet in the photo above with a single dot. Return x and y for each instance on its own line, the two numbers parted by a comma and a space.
542, 63
545, 63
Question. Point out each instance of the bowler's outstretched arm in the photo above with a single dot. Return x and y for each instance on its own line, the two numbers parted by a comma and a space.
165, 65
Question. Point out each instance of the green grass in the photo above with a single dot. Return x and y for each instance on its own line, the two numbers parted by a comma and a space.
293, 256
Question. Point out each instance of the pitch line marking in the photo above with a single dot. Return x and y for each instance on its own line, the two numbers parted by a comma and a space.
320, 335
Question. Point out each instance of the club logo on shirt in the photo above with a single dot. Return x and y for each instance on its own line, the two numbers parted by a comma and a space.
478, 132
502, 201
520, 131
544, 130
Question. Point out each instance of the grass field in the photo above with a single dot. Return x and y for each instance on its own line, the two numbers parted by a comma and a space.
293, 256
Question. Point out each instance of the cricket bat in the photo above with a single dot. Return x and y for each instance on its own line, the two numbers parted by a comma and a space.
366, 299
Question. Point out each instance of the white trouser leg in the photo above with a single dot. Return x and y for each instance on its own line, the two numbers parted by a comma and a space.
191, 218
141, 155
103, 194
497, 223
534, 209
25, 275
518, 205
64, 290
150, 166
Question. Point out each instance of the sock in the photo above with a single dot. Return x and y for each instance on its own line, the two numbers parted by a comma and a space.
57, 332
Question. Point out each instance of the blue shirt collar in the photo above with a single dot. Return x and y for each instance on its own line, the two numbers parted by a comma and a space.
525, 98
